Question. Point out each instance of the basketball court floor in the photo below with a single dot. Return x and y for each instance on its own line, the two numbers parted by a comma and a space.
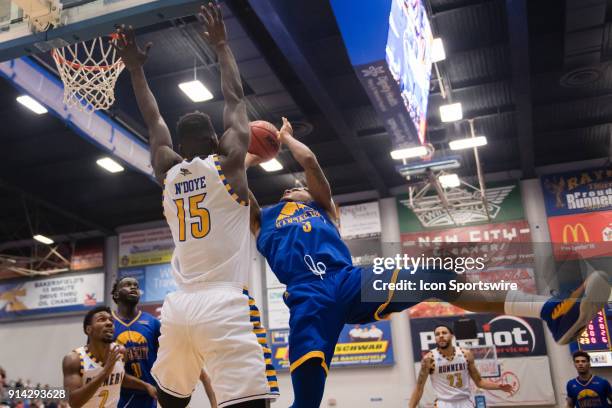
483, 125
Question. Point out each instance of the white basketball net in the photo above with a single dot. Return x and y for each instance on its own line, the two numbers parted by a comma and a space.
89, 71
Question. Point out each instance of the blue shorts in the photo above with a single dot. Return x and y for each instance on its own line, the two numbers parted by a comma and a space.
136, 400
319, 309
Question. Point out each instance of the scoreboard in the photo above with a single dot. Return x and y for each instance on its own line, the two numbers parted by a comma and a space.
596, 339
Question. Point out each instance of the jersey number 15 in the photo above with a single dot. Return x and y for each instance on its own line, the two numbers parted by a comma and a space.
200, 217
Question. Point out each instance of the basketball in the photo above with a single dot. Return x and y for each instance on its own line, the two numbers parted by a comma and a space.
264, 140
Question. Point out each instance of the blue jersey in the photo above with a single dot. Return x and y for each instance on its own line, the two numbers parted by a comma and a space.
592, 394
300, 242
140, 339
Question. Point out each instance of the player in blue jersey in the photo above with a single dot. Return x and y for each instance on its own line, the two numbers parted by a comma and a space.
587, 390
300, 240
139, 332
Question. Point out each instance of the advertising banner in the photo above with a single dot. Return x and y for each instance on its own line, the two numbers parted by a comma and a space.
360, 221
87, 257
512, 336
581, 236
57, 294
367, 345
506, 243
578, 192
147, 247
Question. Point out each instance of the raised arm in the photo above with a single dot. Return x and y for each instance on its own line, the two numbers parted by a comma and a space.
236, 137
255, 214
477, 378
163, 157
421, 380
79, 393
318, 186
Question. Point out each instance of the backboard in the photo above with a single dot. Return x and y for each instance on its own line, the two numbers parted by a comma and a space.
32, 26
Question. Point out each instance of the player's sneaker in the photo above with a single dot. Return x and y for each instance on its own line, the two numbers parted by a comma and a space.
567, 317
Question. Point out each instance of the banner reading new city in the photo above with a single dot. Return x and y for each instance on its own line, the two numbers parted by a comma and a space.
67, 292
366, 345
502, 237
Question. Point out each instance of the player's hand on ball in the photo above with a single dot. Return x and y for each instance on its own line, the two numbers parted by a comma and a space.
215, 32
252, 160
131, 54
506, 388
285, 131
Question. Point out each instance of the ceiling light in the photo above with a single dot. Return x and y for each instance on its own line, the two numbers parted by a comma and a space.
272, 165
43, 239
451, 113
196, 91
32, 104
468, 142
409, 153
110, 165
437, 50
449, 180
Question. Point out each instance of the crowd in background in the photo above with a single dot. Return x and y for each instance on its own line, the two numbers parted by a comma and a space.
6, 402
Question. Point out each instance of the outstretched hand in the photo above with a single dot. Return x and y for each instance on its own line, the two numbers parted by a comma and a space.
131, 54
506, 388
286, 131
212, 17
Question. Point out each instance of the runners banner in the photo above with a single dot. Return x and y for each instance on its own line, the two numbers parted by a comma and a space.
155, 281
504, 204
581, 236
358, 345
146, 247
512, 336
68, 292
578, 192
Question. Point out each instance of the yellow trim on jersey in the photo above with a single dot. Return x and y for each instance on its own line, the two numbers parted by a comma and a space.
382, 307
226, 183
308, 356
124, 323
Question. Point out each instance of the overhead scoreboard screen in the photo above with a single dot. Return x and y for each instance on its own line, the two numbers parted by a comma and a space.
596, 338
389, 43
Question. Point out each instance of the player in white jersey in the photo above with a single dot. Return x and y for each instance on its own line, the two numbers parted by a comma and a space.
94, 373
451, 369
210, 320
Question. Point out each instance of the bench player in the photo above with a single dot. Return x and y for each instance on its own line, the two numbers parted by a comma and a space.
210, 320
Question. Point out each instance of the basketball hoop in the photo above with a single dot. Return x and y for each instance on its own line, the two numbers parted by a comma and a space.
89, 71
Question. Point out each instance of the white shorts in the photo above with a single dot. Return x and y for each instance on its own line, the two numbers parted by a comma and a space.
216, 326
465, 403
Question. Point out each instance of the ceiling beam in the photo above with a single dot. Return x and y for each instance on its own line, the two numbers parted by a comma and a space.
302, 67
516, 11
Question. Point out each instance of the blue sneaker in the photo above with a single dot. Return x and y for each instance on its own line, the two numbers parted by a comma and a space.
567, 317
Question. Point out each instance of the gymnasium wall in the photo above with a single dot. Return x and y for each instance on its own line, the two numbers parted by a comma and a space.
43, 342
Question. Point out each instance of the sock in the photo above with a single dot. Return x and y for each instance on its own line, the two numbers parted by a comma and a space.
308, 384
524, 304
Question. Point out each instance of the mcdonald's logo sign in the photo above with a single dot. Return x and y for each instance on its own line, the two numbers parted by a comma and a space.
574, 230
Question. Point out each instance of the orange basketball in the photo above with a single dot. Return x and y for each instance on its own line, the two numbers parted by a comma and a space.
264, 140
